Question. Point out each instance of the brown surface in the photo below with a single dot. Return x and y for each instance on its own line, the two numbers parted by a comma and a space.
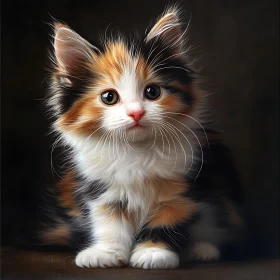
20, 264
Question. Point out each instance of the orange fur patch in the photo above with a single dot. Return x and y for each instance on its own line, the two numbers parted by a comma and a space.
83, 117
173, 212
109, 64
118, 212
169, 189
185, 109
58, 235
173, 104
170, 102
66, 198
197, 97
142, 69
149, 244
172, 207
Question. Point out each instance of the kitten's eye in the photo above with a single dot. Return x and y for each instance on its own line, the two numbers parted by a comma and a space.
152, 92
110, 97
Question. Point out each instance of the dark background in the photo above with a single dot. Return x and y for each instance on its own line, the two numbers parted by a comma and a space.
238, 42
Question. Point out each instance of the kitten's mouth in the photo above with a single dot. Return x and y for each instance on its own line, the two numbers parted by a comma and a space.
136, 125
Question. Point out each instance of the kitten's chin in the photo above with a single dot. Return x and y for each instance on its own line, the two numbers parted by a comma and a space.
138, 134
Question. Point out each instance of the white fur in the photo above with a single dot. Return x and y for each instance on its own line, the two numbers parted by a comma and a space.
134, 107
112, 240
153, 258
124, 166
124, 172
101, 256
171, 25
123, 159
124, 169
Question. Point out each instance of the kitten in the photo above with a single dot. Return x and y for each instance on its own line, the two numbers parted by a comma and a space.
141, 187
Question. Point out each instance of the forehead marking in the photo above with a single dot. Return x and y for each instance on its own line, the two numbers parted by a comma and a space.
117, 65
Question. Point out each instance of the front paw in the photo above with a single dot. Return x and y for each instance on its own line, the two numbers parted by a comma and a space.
97, 256
203, 251
154, 258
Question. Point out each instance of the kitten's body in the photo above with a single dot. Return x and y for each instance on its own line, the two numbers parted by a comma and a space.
137, 165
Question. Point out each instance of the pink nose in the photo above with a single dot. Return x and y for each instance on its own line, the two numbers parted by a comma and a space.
136, 115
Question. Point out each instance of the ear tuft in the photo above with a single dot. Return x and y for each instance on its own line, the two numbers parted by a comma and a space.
168, 28
71, 50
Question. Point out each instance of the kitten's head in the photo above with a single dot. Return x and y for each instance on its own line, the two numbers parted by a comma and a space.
131, 88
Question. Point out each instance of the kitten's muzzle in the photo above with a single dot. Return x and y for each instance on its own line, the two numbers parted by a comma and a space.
136, 115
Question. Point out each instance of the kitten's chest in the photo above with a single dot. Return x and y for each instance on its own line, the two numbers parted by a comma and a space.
124, 167
131, 176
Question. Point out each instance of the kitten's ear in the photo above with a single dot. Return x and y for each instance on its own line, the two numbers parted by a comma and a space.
168, 29
71, 51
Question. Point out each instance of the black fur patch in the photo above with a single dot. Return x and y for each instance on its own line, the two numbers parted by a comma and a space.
185, 96
171, 67
218, 177
88, 191
70, 87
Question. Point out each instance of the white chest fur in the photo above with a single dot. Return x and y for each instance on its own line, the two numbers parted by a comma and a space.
124, 169
123, 165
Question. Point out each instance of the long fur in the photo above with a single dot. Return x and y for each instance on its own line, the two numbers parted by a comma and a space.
130, 187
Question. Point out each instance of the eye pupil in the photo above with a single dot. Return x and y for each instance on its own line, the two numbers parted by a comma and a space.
109, 97
152, 92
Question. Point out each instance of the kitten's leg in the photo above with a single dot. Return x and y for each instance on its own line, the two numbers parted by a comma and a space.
112, 234
162, 238
218, 224
207, 235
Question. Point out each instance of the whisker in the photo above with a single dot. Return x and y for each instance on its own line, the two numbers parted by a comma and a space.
92, 134
176, 157
162, 142
53, 147
116, 134
154, 139
104, 142
103, 135
174, 132
195, 121
174, 127
167, 142
202, 158
122, 141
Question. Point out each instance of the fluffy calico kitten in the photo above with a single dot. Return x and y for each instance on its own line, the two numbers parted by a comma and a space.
143, 180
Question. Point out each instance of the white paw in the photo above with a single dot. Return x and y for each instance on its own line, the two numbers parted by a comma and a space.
154, 258
204, 251
101, 257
